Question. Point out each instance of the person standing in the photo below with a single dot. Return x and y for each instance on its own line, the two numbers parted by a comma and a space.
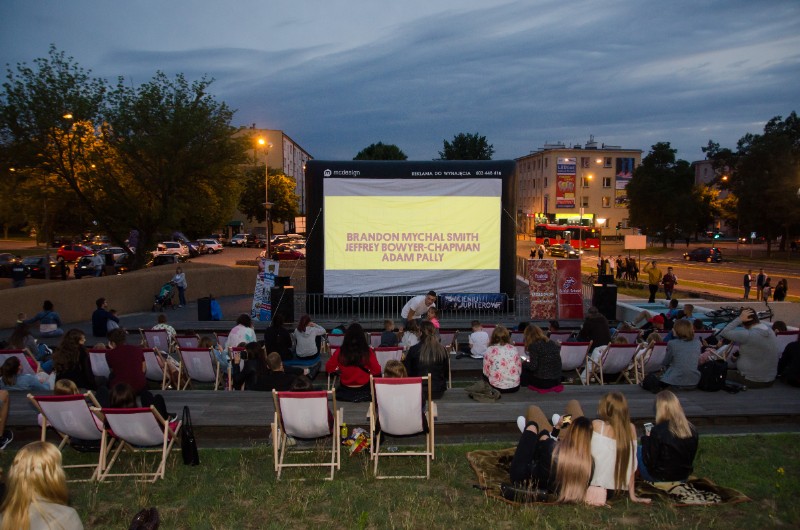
98, 262
669, 281
654, 276
100, 318
746, 281
418, 306
760, 280
540, 252
180, 282
18, 273
620, 267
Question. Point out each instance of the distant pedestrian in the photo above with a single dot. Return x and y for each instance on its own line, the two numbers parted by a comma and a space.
669, 281
760, 279
18, 273
532, 255
62, 264
654, 276
180, 282
620, 267
781, 290
766, 290
746, 282
541, 252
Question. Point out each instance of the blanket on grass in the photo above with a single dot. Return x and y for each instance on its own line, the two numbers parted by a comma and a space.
491, 468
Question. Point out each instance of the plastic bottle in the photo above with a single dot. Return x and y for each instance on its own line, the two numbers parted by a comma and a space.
343, 430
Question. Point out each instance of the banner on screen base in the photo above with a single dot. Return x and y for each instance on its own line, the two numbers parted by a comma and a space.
570, 292
542, 284
265, 281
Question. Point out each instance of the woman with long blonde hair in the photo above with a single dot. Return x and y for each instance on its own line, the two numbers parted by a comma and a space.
667, 452
36, 494
613, 450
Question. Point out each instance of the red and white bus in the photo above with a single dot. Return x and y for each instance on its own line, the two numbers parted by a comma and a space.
577, 236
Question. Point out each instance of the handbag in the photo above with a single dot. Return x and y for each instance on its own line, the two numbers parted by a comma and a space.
188, 443
146, 519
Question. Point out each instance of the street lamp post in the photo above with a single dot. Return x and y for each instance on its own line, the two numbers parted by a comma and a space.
600, 221
263, 142
580, 218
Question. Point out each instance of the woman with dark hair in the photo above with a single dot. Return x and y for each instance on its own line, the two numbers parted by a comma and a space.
277, 338
49, 321
355, 361
71, 360
22, 339
12, 378
242, 331
307, 337
543, 367
428, 356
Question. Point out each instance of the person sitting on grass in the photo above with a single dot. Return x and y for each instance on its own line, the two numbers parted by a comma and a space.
560, 465
388, 336
429, 357
36, 491
502, 365
613, 450
667, 451
543, 367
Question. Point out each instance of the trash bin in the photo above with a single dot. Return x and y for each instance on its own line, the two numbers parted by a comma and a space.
204, 308
604, 298
282, 281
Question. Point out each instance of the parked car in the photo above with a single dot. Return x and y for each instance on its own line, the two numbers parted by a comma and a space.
563, 250
73, 252
220, 238
707, 254
166, 259
299, 247
85, 266
171, 247
7, 262
211, 246
117, 252
239, 240
37, 266
281, 239
285, 252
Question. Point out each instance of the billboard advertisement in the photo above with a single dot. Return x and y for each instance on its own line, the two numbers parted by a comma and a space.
565, 183
542, 284
623, 175
570, 293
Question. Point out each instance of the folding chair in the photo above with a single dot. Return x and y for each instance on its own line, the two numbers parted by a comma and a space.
631, 372
28, 363
71, 418
222, 339
334, 341
784, 338
388, 353
187, 341
156, 338
614, 360
573, 356
97, 360
630, 336
560, 336
200, 365
333, 377
374, 339
153, 370
517, 336
651, 361
448, 339
305, 415
398, 409
139, 430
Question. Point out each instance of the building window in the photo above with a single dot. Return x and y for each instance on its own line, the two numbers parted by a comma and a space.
606, 202
545, 162
607, 161
584, 162
545, 182
606, 182
585, 182
584, 202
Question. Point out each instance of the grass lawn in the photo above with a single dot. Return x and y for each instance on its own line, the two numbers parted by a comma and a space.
236, 488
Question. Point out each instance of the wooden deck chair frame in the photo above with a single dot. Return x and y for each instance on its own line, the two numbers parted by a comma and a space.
449, 339
631, 372
198, 364
187, 341
222, 339
153, 370
26, 360
392, 412
574, 356
630, 336
560, 336
305, 415
333, 377
97, 360
385, 354
651, 361
155, 338
138, 430
616, 359
71, 417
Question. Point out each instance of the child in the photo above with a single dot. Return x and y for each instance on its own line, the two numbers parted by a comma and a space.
410, 335
478, 342
433, 315
112, 324
394, 368
388, 337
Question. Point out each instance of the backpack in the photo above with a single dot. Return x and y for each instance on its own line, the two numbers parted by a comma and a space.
713, 375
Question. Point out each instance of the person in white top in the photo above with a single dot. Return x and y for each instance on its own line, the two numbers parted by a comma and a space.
410, 335
180, 282
241, 333
305, 337
613, 469
478, 342
418, 306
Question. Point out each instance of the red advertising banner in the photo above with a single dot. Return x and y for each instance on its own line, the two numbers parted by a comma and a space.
570, 294
542, 284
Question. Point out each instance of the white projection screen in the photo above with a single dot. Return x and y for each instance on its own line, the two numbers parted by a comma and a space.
406, 227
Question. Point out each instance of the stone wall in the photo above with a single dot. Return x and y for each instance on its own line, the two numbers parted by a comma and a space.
74, 300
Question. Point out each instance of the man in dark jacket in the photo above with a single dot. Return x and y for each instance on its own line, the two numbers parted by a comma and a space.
100, 318
595, 328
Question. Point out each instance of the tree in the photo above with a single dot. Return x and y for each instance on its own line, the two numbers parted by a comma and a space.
467, 147
662, 197
285, 202
381, 151
763, 178
158, 157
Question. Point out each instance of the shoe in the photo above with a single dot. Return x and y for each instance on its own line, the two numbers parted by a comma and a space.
290, 442
314, 370
555, 419
521, 423
6, 439
460, 355
477, 356
477, 386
